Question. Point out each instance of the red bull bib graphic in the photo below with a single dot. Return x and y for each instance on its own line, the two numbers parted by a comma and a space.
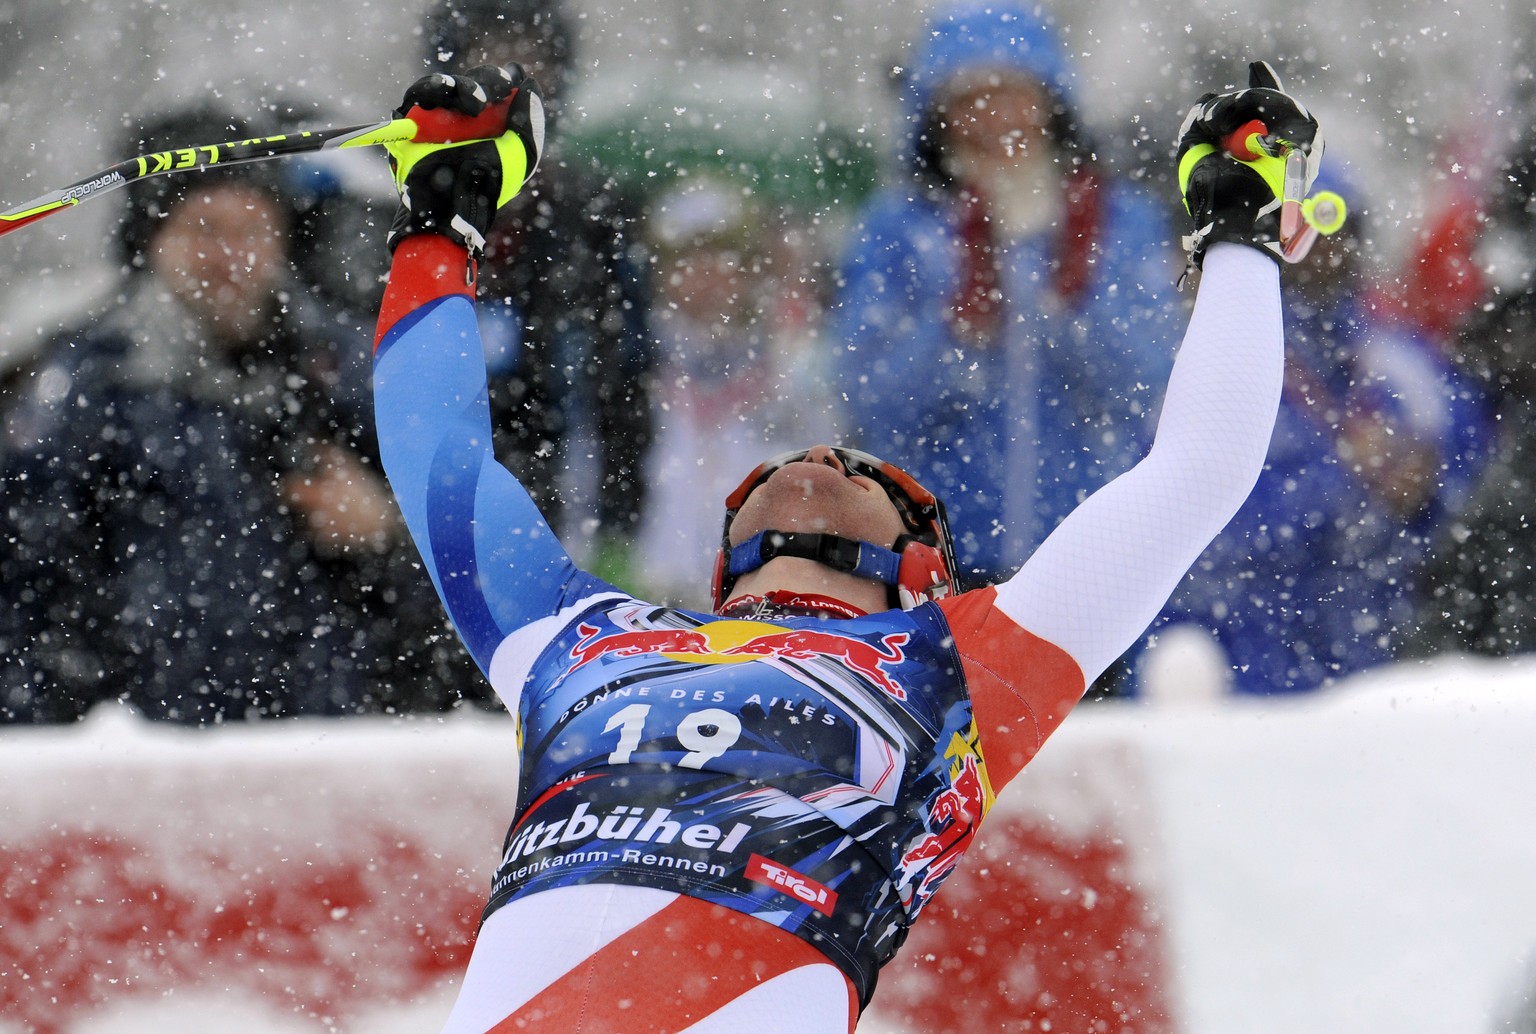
954, 815
731, 642
803, 770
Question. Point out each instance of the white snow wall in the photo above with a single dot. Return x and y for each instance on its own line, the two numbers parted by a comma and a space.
1357, 861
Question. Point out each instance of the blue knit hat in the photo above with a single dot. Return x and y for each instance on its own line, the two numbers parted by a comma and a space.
972, 36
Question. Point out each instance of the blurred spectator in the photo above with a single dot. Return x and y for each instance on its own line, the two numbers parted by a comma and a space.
20, 355
739, 373
1441, 281
188, 524
1481, 590
1473, 242
1317, 576
562, 307
1001, 296
344, 201
1480, 593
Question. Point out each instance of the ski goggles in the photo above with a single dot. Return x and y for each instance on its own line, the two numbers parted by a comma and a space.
921, 511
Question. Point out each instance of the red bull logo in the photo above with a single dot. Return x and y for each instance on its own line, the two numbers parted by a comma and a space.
732, 642
805, 644
633, 644
956, 814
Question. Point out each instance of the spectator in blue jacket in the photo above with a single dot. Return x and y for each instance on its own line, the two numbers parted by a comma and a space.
1007, 303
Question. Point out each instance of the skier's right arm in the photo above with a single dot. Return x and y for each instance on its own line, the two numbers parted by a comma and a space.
495, 562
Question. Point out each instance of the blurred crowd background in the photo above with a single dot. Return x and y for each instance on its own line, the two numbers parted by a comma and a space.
757, 227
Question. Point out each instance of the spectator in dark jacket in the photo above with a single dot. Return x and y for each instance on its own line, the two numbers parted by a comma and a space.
1480, 593
193, 526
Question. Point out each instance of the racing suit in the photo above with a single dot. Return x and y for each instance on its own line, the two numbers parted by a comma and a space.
723, 817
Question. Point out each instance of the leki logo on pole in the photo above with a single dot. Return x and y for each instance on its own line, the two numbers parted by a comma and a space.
442, 129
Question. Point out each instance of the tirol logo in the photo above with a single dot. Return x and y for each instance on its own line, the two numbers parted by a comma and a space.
731, 642
787, 881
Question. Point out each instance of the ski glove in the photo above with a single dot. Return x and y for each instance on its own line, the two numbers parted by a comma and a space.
1233, 189
455, 189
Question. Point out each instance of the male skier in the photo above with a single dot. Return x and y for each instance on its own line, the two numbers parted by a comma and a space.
726, 822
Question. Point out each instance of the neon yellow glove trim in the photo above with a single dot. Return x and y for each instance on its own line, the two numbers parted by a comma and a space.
1272, 169
1187, 165
513, 155
514, 166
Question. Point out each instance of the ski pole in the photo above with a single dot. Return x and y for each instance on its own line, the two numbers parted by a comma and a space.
1302, 218
1322, 213
437, 126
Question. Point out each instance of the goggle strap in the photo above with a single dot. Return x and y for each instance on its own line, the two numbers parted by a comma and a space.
862, 559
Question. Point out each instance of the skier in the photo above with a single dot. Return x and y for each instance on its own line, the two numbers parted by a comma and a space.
725, 820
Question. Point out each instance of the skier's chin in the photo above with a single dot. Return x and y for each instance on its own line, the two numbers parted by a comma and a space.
813, 498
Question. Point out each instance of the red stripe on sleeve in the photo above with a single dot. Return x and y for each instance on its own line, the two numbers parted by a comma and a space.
1022, 687
425, 267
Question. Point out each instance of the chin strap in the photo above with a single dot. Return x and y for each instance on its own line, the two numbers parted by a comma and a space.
863, 559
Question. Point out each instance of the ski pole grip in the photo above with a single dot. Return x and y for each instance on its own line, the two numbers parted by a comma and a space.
442, 126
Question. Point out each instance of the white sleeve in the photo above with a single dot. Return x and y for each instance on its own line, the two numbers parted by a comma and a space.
1101, 577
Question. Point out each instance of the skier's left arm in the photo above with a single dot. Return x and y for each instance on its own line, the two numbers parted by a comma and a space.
1101, 577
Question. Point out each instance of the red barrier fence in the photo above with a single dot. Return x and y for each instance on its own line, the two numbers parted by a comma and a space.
1351, 862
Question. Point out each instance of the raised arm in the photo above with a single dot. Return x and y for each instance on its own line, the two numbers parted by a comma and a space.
494, 560
1100, 579
1034, 643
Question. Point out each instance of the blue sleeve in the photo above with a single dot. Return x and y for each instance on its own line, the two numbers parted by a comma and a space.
494, 560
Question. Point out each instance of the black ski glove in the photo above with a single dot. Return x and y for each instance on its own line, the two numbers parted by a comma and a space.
455, 189
1232, 191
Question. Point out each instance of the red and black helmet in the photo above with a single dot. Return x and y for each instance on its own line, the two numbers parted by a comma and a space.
920, 566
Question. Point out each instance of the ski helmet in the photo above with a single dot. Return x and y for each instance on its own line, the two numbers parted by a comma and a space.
920, 566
